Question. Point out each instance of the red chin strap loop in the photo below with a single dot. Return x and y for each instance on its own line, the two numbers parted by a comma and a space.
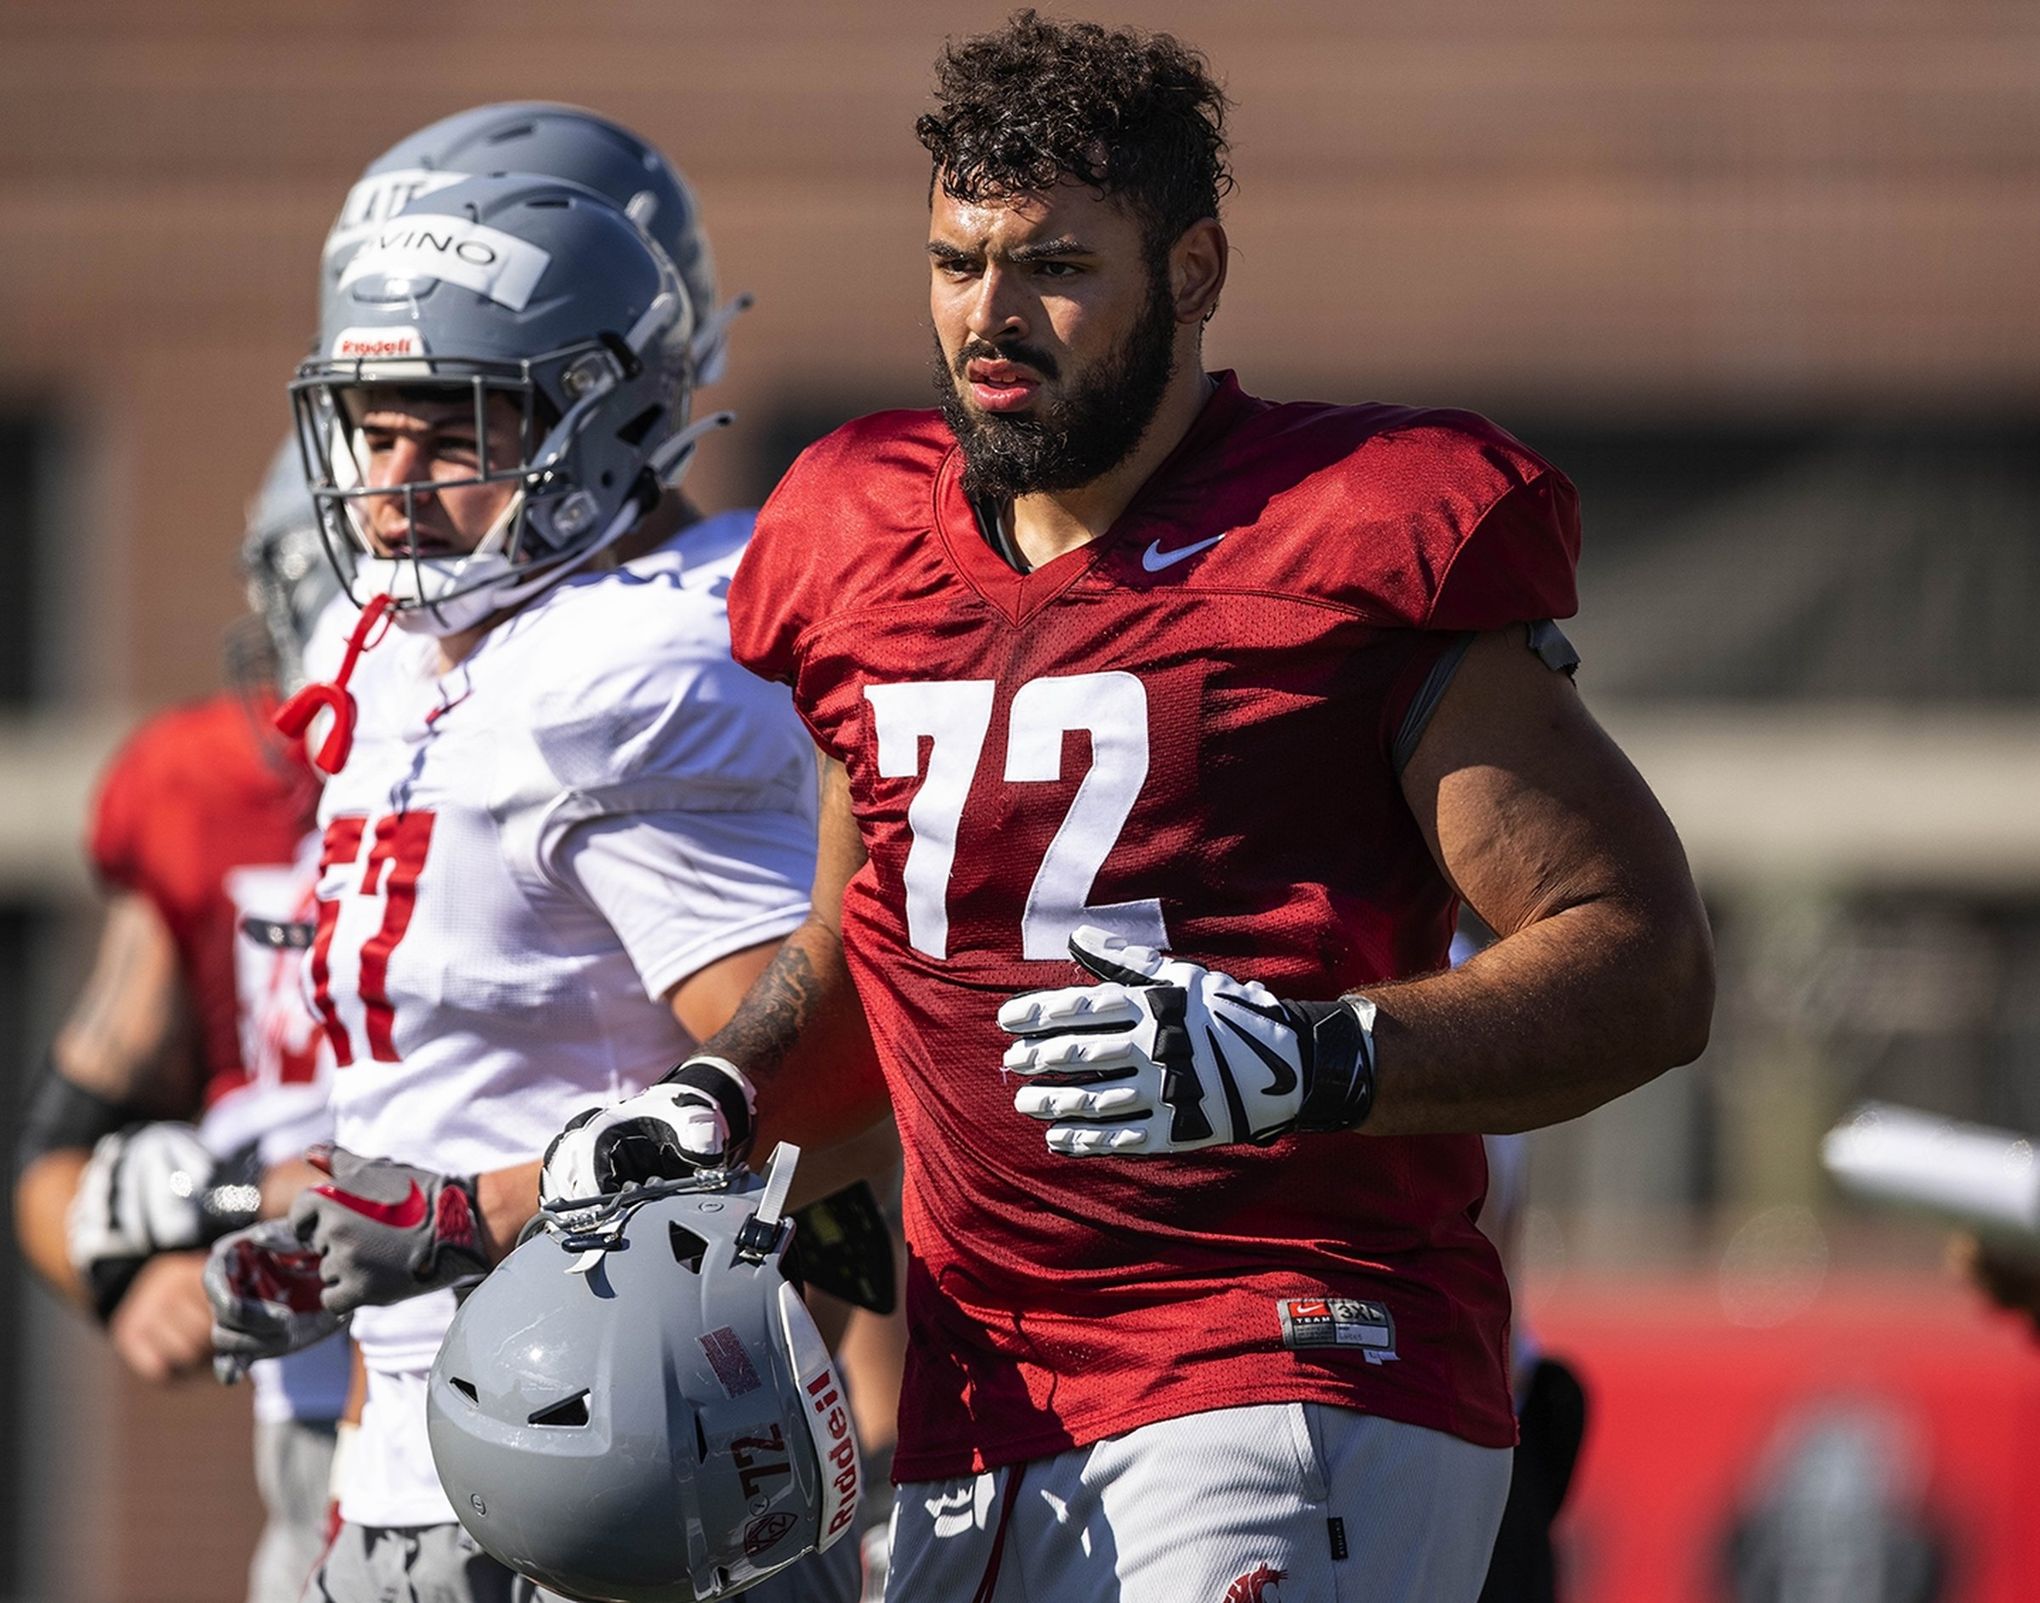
295, 716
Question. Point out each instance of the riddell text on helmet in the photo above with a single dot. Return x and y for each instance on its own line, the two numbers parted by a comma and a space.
825, 1396
373, 343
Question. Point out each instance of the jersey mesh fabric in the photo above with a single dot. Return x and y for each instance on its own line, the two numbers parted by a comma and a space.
1239, 703
197, 792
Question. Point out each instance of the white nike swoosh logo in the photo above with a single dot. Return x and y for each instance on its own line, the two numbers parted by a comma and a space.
1154, 558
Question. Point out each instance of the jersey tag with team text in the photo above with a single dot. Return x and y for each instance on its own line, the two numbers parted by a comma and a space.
1338, 1322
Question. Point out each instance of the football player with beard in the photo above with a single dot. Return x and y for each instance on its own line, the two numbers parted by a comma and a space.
1165, 727
169, 1092
561, 830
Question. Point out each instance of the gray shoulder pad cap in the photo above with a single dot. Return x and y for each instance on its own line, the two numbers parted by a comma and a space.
1553, 649
1545, 639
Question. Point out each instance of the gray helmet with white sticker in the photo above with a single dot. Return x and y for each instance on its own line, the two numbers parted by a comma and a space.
290, 582
638, 1407
552, 141
525, 298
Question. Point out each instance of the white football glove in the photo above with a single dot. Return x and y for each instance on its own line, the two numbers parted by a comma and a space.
147, 1189
1164, 1056
138, 1194
698, 1117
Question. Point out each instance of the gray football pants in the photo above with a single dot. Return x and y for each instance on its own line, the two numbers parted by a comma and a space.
293, 1464
443, 1564
1283, 1503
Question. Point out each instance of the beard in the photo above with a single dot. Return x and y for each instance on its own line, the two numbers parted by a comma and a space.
1079, 435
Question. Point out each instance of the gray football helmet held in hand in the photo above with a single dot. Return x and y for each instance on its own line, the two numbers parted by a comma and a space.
637, 1407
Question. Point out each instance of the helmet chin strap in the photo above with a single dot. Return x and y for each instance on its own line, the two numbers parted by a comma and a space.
669, 462
710, 345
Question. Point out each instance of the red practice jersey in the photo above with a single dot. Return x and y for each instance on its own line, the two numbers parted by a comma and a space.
198, 791
1183, 732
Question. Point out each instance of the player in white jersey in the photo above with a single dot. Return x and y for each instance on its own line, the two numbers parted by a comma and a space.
562, 831
519, 853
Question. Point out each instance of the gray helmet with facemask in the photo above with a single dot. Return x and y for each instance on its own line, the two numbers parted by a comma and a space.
636, 1405
554, 141
527, 301
290, 581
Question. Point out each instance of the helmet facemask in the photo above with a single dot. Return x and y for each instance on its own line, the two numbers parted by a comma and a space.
289, 581
578, 471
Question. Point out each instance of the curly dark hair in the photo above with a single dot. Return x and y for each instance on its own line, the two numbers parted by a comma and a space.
1136, 116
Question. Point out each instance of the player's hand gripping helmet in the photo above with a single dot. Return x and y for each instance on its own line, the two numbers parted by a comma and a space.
519, 292
636, 1406
290, 581
553, 141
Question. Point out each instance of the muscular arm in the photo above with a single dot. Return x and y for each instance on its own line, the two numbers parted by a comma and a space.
1604, 975
800, 1034
709, 1004
130, 1040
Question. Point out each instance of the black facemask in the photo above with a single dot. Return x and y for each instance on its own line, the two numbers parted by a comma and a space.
1080, 435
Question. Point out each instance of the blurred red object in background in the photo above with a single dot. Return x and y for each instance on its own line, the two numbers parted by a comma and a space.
1877, 1445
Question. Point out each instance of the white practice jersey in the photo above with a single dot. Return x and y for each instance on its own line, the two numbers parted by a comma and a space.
282, 1107
520, 860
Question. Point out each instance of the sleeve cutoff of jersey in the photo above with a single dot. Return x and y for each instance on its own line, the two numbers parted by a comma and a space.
682, 890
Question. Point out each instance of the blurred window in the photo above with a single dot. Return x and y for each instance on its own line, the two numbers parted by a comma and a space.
28, 534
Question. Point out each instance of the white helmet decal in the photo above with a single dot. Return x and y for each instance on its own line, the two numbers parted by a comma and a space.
375, 200
452, 250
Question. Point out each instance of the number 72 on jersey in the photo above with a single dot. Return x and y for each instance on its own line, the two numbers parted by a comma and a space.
955, 717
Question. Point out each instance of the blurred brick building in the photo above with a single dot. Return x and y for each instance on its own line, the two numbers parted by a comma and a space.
1703, 247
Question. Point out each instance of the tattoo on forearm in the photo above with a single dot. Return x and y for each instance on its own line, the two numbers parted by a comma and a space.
777, 1008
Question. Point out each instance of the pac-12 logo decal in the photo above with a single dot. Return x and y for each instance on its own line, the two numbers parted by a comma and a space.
1256, 1586
765, 1531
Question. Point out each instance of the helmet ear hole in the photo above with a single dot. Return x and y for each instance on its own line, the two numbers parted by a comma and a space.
688, 1248
465, 1387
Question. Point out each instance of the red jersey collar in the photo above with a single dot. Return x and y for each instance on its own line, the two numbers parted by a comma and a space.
1020, 595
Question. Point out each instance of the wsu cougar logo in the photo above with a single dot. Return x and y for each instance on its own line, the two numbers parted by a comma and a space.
1256, 1586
